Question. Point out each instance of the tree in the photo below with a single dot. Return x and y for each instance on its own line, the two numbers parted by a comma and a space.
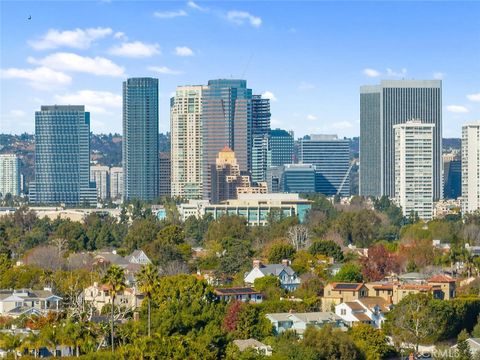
379, 263
372, 342
349, 272
115, 279
330, 344
298, 236
414, 321
476, 329
327, 248
11, 343
147, 279
463, 347
280, 251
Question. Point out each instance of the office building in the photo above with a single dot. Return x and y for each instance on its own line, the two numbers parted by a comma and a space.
452, 176
331, 158
470, 167
414, 168
226, 121
274, 148
116, 183
140, 139
9, 175
186, 136
275, 179
383, 106
62, 157
165, 174
260, 115
100, 175
299, 178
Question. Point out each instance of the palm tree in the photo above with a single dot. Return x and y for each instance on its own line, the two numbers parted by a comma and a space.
115, 279
147, 280
34, 342
11, 343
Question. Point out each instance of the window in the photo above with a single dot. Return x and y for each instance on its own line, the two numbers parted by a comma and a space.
343, 311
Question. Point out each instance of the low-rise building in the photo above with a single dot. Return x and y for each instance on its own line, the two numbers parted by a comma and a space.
244, 294
260, 347
337, 293
289, 280
367, 310
98, 295
15, 303
298, 322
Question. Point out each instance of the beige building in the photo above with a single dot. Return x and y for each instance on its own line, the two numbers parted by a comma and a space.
101, 176
471, 167
186, 142
116, 183
99, 296
337, 293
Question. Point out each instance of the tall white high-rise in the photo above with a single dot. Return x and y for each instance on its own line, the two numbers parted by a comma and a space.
470, 167
9, 175
101, 176
187, 142
414, 168
116, 183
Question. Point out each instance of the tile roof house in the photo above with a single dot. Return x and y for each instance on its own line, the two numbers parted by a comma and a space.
15, 303
367, 310
99, 296
447, 285
289, 279
338, 292
298, 322
131, 263
244, 294
260, 347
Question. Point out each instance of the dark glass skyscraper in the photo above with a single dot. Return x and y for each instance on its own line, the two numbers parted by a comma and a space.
140, 139
260, 115
226, 121
62, 157
383, 106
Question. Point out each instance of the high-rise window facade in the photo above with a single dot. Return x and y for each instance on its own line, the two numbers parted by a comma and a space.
62, 157
383, 106
9, 175
140, 139
470, 168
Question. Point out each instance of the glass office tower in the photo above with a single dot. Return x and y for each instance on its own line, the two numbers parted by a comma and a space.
62, 157
383, 106
140, 139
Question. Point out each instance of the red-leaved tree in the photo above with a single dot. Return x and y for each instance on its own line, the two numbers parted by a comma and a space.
379, 263
231, 316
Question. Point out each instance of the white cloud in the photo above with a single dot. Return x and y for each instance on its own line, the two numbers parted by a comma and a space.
77, 63
135, 49
42, 77
457, 109
394, 73
164, 70
78, 38
183, 51
371, 72
312, 117
17, 113
120, 35
269, 95
474, 97
91, 98
341, 125
240, 17
169, 14
195, 6
438, 75
305, 86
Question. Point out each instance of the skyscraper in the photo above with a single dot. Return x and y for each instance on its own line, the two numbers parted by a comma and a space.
101, 176
452, 176
260, 115
470, 167
225, 176
62, 157
226, 121
331, 157
299, 178
414, 168
383, 106
116, 183
140, 139
165, 174
186, 138
9, 175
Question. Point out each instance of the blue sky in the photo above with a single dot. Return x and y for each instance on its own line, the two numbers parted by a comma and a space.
309, 57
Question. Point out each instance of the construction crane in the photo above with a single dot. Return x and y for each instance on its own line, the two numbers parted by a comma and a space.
345, 177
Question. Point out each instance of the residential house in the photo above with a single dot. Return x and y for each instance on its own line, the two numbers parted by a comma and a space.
138, 257
15, 303
401, 291
337, 293
289, 279
260, 347
367, 310
381, 289
99, 296
474, 344
131, 264
447, 285
244, 294
298, 322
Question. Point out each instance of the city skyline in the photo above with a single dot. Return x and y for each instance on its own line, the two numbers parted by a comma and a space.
83, 60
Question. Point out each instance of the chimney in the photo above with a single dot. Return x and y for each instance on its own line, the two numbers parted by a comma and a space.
286, 262
257, 264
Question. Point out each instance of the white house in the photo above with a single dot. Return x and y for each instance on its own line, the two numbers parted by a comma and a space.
298, 322
138, 257
15, 303
243, 294
289, 279
99, 296
367, 310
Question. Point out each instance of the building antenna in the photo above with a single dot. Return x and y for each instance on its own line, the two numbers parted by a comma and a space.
246, 66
